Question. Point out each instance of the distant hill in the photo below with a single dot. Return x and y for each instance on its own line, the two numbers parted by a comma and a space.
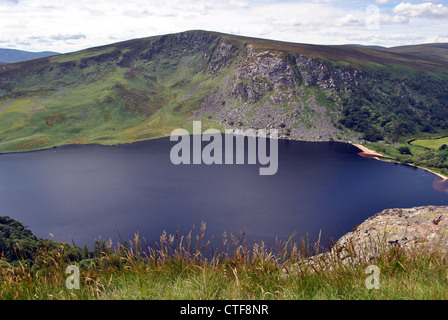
369, 47
435, 51
12, 55
145, 88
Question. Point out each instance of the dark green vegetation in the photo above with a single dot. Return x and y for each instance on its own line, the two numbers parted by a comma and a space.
427, 150
18, 244
12, 55
394, 106
401, 102
145, 88
188, 268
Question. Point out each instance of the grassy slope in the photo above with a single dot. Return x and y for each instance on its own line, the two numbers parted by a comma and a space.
430, 143
69, 99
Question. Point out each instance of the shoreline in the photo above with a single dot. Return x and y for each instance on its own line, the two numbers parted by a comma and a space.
365, 152
378, 156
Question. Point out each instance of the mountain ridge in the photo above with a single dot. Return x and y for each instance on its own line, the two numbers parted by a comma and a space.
312, 50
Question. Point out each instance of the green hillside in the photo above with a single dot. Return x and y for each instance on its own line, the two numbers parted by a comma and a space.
100, 95
145, 88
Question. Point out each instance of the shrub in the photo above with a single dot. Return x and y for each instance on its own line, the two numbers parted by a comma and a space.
404, 150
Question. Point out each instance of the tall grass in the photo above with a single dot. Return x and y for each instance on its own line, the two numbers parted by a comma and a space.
190, 267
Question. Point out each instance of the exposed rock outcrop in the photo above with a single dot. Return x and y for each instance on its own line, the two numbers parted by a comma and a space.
407, 228
420, 228
269, 89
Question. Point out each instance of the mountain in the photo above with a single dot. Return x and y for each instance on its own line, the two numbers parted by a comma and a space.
145, 88
12, 55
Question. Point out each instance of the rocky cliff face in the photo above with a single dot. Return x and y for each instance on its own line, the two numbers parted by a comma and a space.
274, 90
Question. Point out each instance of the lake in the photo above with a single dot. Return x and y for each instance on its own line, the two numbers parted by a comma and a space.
82, 192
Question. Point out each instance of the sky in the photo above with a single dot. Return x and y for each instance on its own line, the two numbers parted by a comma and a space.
66, 25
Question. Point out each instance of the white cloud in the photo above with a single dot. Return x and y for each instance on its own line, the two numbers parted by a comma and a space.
393, 18
237, 3
66, 37
48, 24
427, 10
350, 19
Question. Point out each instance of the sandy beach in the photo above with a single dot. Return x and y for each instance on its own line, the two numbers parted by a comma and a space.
368, 152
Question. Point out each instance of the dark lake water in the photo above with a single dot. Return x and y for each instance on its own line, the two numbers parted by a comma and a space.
84, 192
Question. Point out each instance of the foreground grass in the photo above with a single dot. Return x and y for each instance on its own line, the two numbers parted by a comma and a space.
188, 268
